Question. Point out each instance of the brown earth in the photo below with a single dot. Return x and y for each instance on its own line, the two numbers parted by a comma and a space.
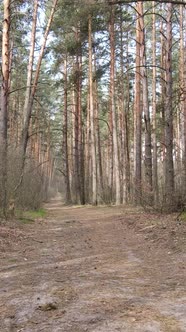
97, 269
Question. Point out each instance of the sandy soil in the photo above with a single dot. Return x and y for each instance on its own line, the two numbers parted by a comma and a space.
97, 269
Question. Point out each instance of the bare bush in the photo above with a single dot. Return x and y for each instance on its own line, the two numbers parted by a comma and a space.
28, 189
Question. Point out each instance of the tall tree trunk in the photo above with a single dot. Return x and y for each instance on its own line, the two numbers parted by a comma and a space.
124, 120
110, 158
87, 150
183, 93
76, 135
4, 105
163, 94
79, 148
31, 60
137, 114
75, 188
36, 148
11, 48
98, 136
92, 117
113, 108
148, 152
65, 136
81, 134
154, 138
169, 170
99, 153
127, 115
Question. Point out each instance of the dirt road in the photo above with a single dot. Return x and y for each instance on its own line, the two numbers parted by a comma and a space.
87, 269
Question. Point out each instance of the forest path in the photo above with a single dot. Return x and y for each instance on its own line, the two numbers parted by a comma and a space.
84, 269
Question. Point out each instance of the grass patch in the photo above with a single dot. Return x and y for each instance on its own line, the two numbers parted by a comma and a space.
41, 213
26, 220
28, 217
183, 216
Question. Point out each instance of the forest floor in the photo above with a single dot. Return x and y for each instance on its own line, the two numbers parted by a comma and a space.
96, 269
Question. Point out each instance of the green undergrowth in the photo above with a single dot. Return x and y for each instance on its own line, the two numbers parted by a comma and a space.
26, 220
183, 216
41, 213
30, 216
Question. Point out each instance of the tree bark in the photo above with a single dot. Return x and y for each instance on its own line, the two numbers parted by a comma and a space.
169, 169
113, 109
92, 117
78, 144
31, 60
137, 114
148, 151
4, 104
81, 133
163, 94
183, 95
65, 137
98, 136
124, 123
87, 150
154, 138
